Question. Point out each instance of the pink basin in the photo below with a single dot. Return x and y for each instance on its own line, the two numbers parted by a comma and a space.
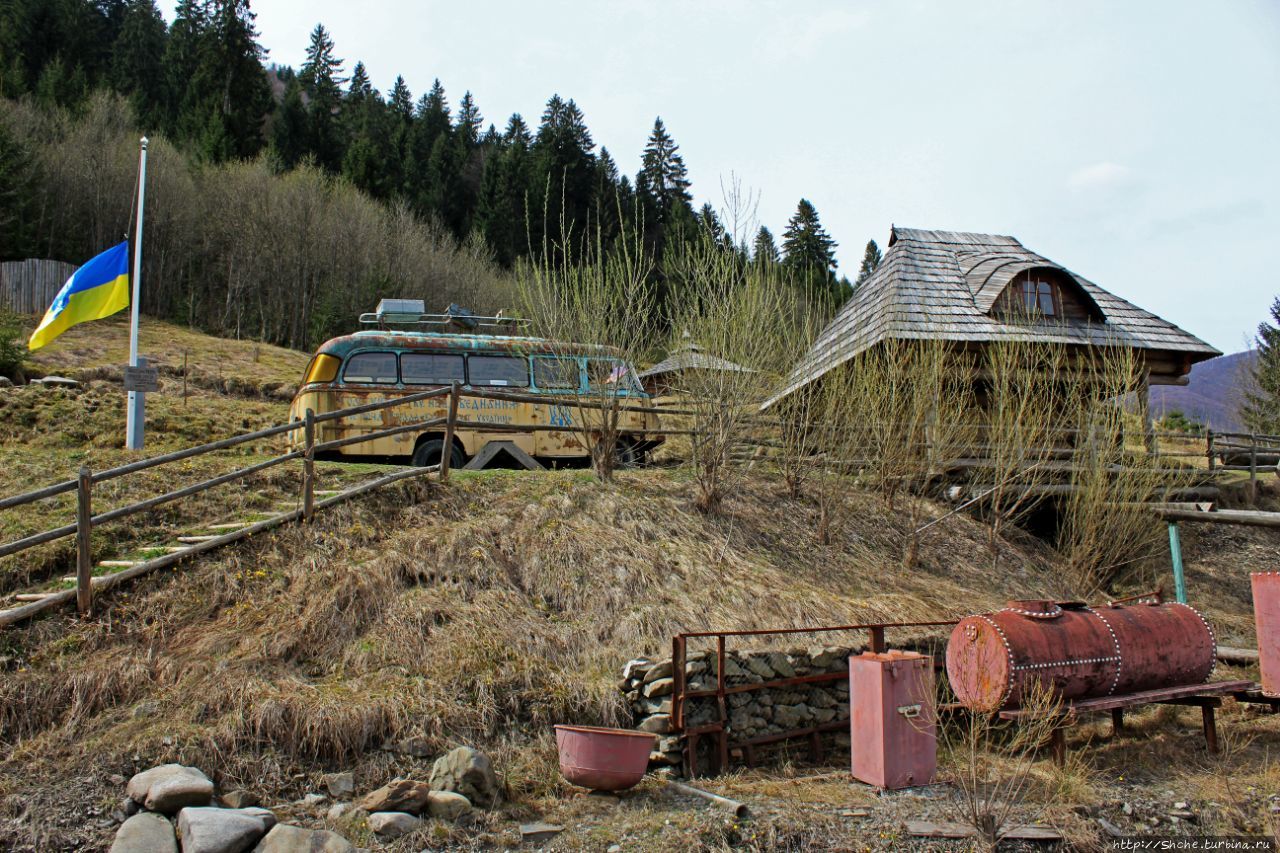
603, 759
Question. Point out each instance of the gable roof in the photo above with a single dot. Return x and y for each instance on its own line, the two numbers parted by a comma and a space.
941, 285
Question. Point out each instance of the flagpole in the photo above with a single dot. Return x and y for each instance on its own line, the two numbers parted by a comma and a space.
136, 406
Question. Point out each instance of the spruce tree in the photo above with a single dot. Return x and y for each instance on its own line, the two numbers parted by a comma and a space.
137, 62
401, 100
765, 250
230, 85
18, 211
469, 121
563, 175
663, 181
1261, 410
809, 250
321, 79
181, 59
289, 133
517, 132
870, 260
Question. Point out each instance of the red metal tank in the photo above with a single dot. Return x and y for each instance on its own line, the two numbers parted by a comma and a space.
892, 731
1079, 651
1266, 616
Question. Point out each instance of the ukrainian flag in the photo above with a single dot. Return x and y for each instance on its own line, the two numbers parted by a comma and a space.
98, 289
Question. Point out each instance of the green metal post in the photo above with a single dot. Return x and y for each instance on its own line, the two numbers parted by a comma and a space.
1175, 551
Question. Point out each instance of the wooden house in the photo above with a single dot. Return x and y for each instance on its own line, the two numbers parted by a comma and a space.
973, 289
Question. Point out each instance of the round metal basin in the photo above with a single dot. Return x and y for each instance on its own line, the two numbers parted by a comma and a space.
603, 759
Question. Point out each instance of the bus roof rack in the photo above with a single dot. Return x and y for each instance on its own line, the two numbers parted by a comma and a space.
412, 312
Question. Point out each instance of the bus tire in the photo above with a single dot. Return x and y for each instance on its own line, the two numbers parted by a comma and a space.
429, 453
625, 454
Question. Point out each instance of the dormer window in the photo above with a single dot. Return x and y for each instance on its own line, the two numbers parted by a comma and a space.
1040, 297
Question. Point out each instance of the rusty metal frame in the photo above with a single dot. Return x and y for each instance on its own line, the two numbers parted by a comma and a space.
680, 694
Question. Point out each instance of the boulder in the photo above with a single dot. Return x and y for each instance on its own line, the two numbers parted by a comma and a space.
661, 687
205, 829
240, 799
447, 805
285, 838
398, 795
658, 724
466, 771
340, 785
389, 825
145, 833
170, 787
662, 670
56, 382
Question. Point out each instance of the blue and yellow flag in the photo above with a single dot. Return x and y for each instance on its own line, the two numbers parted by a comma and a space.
98, 289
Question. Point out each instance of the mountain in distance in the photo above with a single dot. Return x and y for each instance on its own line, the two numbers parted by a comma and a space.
1214, 394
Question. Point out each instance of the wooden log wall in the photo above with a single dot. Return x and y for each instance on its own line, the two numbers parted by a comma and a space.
28, 287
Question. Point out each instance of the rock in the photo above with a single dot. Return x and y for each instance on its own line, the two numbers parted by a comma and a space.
389, 825
240, 799
6, 382
56, 382
539, 832
662, 670
398, 795
285, 838
637, 668
656, 706
206, 829
659, 724
170, 787
338, 811
758, 667
145, 833
661, 687
129, 806
1110, 828
313, 799
466, 771
613, 848
447, 805
114, 778
340, 785
1180, 805
781, 665
418, 747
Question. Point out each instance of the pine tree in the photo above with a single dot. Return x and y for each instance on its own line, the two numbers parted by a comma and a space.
1261, 410
181, 59
369, 159
359, 87
517, 132
563, 175
808, 249
765, 250
401, 100
321, 79
870, 260
137, 62
430, 124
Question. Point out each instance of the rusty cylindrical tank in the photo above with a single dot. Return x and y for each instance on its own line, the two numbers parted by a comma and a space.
1079, 651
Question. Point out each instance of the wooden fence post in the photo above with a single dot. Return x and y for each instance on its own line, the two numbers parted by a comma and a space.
309, 466
84, 555
1253, 466
446, 452
1208, 444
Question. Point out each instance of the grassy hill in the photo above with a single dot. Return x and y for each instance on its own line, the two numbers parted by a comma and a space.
485, 610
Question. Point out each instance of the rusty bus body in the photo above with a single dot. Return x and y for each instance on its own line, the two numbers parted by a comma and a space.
376, 365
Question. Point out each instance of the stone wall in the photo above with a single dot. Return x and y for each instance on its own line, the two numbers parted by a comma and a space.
648, 686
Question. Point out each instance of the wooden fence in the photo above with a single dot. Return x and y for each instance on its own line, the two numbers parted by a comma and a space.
86, 520
28, 287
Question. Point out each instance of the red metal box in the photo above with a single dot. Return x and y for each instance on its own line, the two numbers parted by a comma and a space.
1266, 618
892, 730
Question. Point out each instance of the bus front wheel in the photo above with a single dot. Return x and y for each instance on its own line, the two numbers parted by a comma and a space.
430, 452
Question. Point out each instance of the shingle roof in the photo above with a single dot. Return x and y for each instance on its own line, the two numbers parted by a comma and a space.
941, 285
691, 357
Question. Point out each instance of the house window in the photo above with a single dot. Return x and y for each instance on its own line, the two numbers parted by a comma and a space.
1039, 297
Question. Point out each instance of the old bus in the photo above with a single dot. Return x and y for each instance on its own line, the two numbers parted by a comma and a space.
379, 364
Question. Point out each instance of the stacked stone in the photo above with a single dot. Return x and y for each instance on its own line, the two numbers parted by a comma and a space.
648, 686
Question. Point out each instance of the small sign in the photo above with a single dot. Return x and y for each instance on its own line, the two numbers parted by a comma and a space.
141, 379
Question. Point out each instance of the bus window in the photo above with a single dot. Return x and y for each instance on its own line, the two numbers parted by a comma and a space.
611, 375
323, 368
551, 371
507, 370
379, 367
426, 368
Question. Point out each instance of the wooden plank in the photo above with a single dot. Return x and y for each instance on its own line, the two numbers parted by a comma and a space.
936, 829
493, 448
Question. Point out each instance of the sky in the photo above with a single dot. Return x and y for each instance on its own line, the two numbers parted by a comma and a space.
1135, 143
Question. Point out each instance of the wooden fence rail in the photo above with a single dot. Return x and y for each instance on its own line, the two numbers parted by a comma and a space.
82, 485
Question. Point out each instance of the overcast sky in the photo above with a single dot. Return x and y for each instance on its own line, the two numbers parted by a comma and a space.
1134, 142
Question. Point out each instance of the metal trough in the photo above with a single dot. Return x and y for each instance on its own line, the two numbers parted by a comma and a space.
603, 759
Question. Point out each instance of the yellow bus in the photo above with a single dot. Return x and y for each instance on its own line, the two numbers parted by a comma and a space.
478, 353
